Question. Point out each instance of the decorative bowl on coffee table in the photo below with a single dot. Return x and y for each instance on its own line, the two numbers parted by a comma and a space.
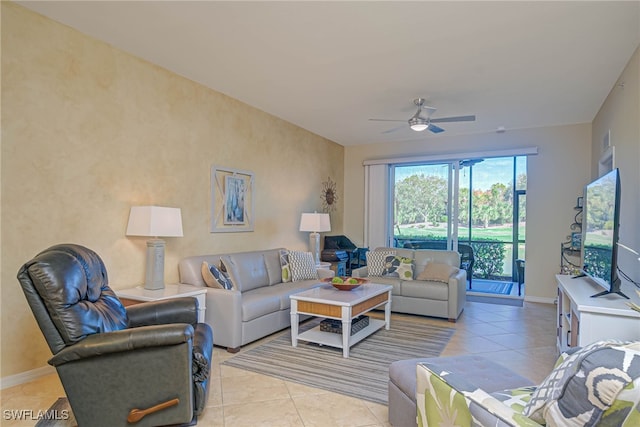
345, 286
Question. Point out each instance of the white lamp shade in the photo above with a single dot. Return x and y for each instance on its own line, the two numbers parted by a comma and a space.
155, 221
315, 222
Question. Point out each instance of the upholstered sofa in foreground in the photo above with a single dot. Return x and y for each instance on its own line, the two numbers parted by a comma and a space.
257, 303
425, 281
597, 385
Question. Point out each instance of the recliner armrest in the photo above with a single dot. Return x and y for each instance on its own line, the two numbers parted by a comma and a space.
125, 340
176, 310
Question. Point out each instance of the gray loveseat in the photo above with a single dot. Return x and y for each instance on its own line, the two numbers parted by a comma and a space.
444, 297
258, 304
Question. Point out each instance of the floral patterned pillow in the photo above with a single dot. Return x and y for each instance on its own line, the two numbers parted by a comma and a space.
585, 384
398, 266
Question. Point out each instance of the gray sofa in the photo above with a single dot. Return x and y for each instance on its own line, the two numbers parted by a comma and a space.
258, 304
424, 297
478, 370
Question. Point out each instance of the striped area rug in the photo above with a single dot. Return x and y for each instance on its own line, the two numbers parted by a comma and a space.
363, 375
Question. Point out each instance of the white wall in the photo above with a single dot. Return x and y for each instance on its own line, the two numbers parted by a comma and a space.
620, 114
556, 177
88, 131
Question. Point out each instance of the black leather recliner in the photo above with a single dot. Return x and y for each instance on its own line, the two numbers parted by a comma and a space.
146, 365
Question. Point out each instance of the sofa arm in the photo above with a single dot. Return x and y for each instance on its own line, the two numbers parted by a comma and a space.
362, 272
457, 294
446, 398
224, 315
325, 273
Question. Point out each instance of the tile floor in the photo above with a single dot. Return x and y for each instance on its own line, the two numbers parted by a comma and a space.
520, 338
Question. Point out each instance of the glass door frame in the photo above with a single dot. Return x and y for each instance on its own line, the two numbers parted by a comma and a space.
452, 208
516, 229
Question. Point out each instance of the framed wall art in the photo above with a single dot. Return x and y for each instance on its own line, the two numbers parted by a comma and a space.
231, 200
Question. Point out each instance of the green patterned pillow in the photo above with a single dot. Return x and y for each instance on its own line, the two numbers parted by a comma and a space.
585, 384
398, 266
625, 411
286, 267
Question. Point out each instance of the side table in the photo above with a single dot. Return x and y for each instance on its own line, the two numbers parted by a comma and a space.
139, 294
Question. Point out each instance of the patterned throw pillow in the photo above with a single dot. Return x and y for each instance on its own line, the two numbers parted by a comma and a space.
437, 272
376, 262
398, 266
302, 265
215, 278
284, 264
597, 372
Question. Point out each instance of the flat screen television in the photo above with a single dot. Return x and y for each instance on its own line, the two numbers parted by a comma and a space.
600, 225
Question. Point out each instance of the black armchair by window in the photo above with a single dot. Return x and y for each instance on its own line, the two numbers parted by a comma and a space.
467, 258
520, 274
146, 365
340, 248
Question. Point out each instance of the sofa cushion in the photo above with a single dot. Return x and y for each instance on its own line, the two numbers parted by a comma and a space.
247, 270
285, 267
395, 282
376, 261
437, 271
426, 289
214, 278
482, 372
285, 290
303, 267
259, 302
585, 383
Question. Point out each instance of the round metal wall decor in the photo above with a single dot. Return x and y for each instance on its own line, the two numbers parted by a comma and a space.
329, 195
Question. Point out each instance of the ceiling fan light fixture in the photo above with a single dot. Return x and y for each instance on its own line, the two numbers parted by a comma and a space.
418, 124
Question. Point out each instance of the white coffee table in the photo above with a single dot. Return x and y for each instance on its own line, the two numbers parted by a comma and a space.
328, 302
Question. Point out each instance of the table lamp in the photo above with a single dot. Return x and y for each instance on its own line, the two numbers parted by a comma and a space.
154, 221
316, 223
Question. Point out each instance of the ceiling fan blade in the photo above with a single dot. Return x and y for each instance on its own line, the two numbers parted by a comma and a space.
454, 119
394, 129
435, 129
386, 120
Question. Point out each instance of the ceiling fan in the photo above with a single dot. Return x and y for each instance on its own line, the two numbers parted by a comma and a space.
419, 121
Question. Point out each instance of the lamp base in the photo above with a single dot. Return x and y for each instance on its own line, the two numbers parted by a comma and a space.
154, 278
314, 246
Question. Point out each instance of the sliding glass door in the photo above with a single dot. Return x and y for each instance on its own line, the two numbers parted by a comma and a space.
475, 202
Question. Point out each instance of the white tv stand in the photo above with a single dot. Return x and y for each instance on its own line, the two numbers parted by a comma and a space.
583, 319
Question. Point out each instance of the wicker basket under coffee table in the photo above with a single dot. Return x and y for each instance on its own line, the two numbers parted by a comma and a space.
328, 302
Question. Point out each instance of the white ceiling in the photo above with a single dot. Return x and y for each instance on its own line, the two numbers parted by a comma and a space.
330, 66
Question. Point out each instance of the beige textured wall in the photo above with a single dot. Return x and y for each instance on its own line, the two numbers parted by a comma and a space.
555, 179
620, 115
88, 131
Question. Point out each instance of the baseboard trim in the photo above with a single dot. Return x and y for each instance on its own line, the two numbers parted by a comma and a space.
25, 377
542, 300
